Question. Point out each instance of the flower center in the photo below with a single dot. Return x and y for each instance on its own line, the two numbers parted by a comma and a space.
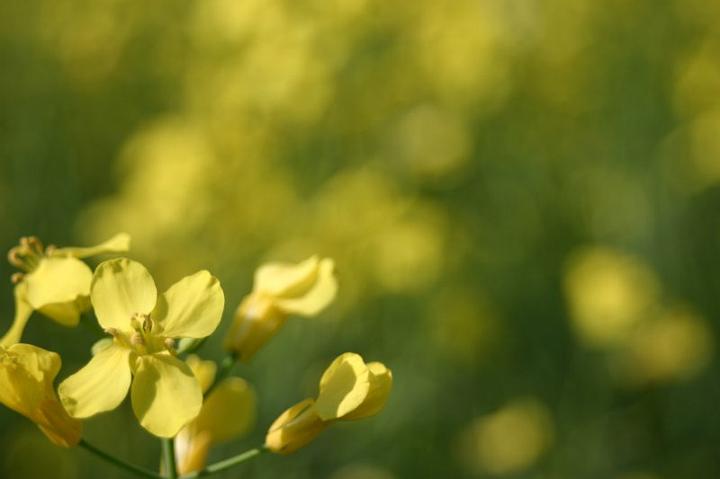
145, 337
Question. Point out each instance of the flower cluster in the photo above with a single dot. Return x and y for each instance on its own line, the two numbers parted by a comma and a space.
147, 352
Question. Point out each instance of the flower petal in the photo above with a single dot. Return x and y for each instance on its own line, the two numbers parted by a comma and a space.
26, 373
120, 243
23, 311
286, 279
120, 289
99, 386
228, 412
191, 308
343, 387
54, 421
204, 370
165, 394
318, 297
380, 386
57, 280
66, 314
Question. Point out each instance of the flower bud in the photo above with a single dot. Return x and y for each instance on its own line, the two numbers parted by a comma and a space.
228, 412
294, 428
256, 321
280, 290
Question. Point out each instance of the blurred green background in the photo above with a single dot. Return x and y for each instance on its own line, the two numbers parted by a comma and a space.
521, 197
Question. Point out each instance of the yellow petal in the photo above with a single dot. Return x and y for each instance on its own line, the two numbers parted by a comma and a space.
380, 386
120, 289
343, 387
54, 421
66, 314
204, 371
256, 321
22, 314
99, 386
320, 295
228, 412
165, 394
57, 280
286, 279
26, 372
26, 385
191, 308
101, 345
120, 243
294, 428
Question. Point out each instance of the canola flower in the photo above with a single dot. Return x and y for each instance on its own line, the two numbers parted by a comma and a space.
280, 290
26, 386
349, 389
191, 405
54, 281
228, 412
141, 358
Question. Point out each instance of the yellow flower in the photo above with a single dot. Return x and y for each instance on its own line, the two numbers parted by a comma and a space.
227, 413
165, 394
279, 290
55, 282
349, 389
26, 386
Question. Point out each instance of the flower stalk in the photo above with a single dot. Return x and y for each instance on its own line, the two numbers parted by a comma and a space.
168, 450
137, 470
227, 463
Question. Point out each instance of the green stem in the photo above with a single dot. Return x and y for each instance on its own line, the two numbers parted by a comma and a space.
168, 450
226, 464
225, 369
140, 471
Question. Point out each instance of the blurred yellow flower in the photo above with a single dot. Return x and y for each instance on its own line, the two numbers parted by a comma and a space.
55, 282
349, 389
227, 413
673, 346
279, 290
165, 394
26, 386
509, 440
609, 294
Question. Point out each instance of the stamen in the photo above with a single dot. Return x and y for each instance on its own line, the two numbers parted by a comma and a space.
16, 278
35, 245
170, 345
27, 254
147, 324
14, 257
134, 323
